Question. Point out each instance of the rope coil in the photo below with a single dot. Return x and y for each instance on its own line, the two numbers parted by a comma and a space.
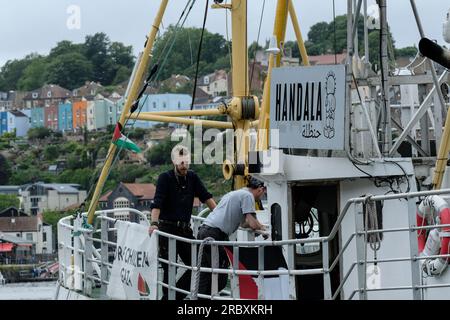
194, 290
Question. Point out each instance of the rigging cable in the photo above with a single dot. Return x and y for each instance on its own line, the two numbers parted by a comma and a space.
191, 2
199, 53
257, 43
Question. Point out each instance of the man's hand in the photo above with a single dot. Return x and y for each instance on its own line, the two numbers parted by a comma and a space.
151, 229
434, 267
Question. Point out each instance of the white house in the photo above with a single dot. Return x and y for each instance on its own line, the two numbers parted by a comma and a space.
31, 229
215, 84
38, 197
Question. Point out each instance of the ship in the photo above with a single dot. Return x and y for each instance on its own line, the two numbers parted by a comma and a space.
371, 174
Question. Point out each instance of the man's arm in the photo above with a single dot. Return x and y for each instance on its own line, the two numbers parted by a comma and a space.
160, 195
211, 204
252, 222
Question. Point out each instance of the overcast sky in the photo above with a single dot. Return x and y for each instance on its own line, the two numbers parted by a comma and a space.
37, 25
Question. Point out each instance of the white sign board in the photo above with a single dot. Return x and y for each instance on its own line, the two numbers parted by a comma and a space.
135, 266
307, 107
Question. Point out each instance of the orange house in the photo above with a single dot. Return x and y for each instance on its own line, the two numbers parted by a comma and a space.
79, 114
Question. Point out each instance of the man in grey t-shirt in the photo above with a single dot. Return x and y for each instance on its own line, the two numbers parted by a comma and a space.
234, 209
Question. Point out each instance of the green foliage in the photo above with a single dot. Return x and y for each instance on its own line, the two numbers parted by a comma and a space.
293, 46
7, 201
5, 170
52, 218
13, 70
34, 75
136, 133
253, 48
65, 47
161, 153
185, 46
39, 133
70, 65
321, 39
32, 174
83, 177
123, 73
406, 52
129, 173
70, 70
51, 152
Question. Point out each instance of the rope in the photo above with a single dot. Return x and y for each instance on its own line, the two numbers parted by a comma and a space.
194, 290
371, 223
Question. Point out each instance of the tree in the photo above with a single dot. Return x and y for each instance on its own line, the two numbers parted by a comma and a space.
34, 75
122, 55
122, 74
39, 133
186, 45
70, 70
51, 152
12, 71
161, 153
5, 170
7, 201
65, 47
52, 218
252, 49
96, 50
406, 52
293, 46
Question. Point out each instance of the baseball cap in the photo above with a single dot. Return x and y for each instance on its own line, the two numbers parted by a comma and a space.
255, 183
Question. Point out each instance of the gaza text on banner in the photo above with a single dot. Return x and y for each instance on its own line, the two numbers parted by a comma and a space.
134, 271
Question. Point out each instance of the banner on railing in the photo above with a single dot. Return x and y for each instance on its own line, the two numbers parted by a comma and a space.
135, 266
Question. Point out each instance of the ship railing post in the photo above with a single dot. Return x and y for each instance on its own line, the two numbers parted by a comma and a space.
414, 249
235, 293
77, 256
326, 271
193, 264
360, 251
214, 264
104, 255
171, 268
158, 275
260, 276
88, 269
291, 266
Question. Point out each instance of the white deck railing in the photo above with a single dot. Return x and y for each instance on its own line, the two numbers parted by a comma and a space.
86, 255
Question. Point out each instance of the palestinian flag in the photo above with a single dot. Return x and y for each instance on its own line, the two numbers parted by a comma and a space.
275, 287
123, 142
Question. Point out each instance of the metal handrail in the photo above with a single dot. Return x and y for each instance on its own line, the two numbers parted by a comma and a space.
65, 223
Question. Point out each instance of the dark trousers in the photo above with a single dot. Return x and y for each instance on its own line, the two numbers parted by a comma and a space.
206, 277
183, 251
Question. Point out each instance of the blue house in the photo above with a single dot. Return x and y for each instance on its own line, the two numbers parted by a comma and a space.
11, 121
162, 102
3, 122
65, 122
37, 117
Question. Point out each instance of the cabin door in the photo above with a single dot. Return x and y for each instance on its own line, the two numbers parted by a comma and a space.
314, 213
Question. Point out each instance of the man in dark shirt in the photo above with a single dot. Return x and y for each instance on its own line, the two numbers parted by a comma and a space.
172, 209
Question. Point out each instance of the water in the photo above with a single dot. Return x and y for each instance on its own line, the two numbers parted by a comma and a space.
28, 291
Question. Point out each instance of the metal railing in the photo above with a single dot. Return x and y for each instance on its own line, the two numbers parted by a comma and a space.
85, 260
